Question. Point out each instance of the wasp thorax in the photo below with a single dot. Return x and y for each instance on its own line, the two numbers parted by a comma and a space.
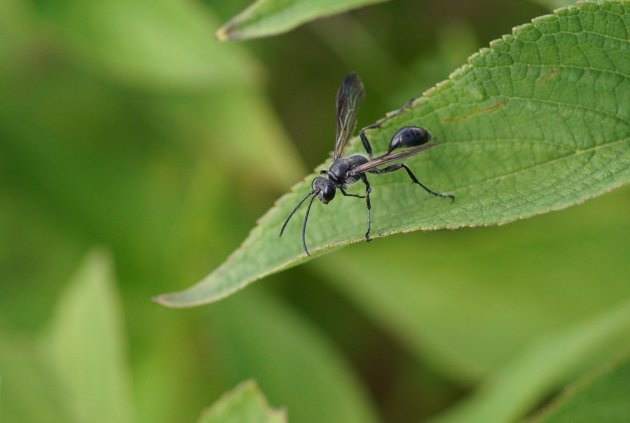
324, 189
409, 136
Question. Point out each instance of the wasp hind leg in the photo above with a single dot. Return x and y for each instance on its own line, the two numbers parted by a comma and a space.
413, 178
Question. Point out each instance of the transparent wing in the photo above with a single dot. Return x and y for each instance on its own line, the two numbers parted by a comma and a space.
379, 161
349, 98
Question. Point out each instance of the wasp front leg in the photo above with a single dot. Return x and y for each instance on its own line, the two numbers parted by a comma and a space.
343, 191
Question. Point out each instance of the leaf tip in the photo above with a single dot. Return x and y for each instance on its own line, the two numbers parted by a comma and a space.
166, 301
192, 297
222, 34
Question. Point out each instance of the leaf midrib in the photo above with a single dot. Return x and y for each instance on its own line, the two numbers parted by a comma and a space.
577, 153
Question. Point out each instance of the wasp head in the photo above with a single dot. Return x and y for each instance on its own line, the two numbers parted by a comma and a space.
324, 188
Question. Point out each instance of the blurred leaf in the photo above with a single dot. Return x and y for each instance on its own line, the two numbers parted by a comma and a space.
516, 388
14, 29
596, 398
456, 42
67, 137
556, 4
244, 404
230, 118
450, 295
34, 250
148, 43
256, 336
270, 17
164, 354
29, 391
518, 141
87, 346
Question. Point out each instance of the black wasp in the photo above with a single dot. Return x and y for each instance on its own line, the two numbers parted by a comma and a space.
345, 171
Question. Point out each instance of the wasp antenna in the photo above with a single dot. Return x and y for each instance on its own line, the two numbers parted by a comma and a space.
308, 210
284, 225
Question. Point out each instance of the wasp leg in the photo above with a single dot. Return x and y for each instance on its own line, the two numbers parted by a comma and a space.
365, 142
378, 123
368, 190
343, 191
415, 180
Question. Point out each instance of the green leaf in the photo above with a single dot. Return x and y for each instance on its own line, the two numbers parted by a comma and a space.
538, 122
86, 346
184, 154
270, 17
244, 404
164, 44
520, 385
257, 336
29, 390
597, 398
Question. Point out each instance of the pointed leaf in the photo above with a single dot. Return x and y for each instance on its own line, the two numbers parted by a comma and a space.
29, 390
245, 403
538, 122
270, 17
87, 346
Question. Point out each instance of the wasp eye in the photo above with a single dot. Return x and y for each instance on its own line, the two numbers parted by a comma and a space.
328, 192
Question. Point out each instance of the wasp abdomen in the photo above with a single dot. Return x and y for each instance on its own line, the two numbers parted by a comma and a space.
409, 136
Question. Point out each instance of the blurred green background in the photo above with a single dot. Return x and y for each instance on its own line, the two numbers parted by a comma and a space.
125, 126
